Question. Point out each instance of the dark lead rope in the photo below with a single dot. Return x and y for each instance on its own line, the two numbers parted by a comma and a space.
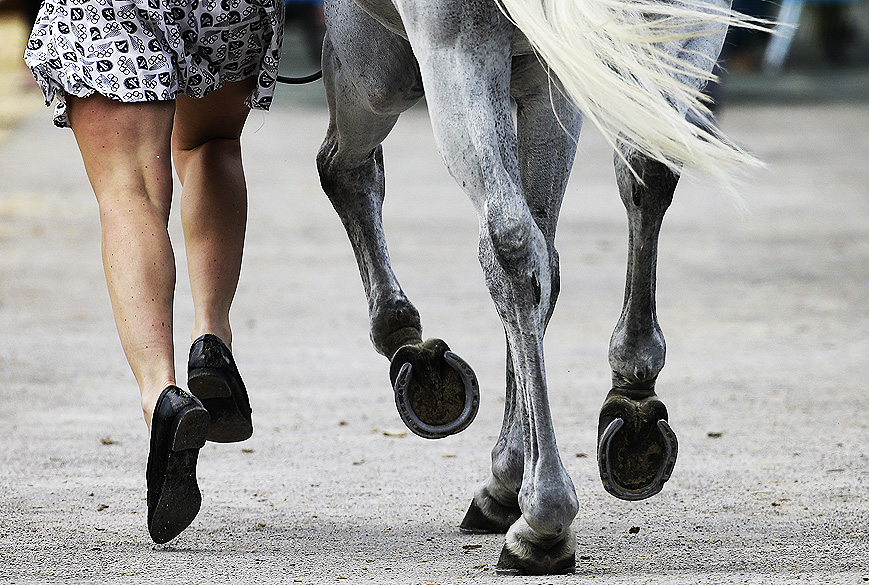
301, 80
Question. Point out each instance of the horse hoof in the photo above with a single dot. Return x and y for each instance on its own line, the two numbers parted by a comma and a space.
490, 518
436, 391
636, 447
522, 557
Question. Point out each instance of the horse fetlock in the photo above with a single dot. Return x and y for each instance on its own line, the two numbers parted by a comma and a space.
548, 499
492, 511
637, 359
507, 468
527, 553
395, 322
551, 517
638, 371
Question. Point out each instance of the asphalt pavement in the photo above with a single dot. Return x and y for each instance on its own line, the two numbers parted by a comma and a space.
765, 308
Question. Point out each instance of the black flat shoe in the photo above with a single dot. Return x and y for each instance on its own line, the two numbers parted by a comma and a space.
178, 430
214, 379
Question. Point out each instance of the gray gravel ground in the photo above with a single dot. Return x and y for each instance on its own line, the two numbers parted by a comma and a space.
766, 313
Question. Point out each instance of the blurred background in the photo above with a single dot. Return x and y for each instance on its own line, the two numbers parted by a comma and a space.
821, 54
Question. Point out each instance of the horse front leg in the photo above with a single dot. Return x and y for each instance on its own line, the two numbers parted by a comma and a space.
547, 130
371, 76
466, 72
636, 446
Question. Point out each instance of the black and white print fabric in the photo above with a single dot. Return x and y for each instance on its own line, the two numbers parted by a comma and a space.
146, 50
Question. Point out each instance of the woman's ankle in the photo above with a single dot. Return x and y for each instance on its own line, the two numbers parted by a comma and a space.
150, 394
224, 334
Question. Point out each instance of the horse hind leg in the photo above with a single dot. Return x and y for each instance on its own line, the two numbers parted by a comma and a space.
436, 392
636, 446
495, 505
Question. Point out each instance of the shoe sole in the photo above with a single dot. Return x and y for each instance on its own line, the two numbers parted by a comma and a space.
211, 387
180, 498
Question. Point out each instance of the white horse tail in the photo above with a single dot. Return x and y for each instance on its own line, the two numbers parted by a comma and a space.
617, 61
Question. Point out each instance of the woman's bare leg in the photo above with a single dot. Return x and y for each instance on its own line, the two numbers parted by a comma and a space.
126, 152
206, 148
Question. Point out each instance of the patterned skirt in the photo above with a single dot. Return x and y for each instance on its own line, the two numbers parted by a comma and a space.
147, 50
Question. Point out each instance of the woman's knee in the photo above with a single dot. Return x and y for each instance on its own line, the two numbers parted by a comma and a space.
218, 116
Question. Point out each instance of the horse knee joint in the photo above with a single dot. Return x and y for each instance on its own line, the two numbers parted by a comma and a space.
511, 241
394, 322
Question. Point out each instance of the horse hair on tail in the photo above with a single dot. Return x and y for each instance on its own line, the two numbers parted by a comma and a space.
612, 60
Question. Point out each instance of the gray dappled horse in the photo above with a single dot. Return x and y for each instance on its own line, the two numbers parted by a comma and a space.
639, 84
